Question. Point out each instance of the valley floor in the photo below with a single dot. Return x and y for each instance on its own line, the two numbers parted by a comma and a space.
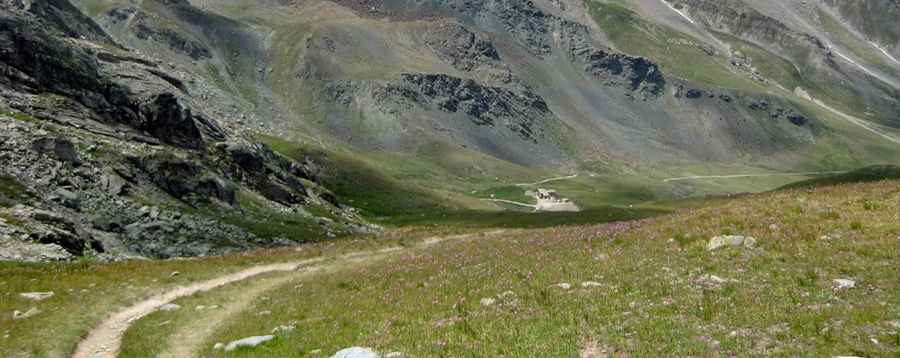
819, 281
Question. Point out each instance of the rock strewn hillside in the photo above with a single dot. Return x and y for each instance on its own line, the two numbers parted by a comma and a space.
106, 152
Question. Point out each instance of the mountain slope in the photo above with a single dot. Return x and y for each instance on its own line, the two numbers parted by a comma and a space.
440, 102
341, 71
107, 153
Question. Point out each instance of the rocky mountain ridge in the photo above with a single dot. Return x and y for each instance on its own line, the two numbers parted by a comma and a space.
96, 135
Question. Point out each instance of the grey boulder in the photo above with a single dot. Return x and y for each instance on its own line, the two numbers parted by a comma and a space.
719, 242
355, 352
248, 342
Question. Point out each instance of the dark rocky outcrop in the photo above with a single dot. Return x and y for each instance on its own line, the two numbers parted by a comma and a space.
110, 145
66, 18
634, 73
185, 179
59, 148
38, 62
165, 117
463, 49
487, 106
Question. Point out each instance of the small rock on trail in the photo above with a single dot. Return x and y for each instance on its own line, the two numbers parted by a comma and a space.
169, 307
355, 352
248, 342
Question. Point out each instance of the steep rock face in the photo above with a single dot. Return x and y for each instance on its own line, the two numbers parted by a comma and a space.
40, 62
511, 123
521, 19
36, 60
486, 106
461, 47
540, 32
164, 116
62, 15
634, 74
469, 51
184, 179
93, 133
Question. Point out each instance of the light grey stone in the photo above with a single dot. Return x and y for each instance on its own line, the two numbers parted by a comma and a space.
355, 352
248, 342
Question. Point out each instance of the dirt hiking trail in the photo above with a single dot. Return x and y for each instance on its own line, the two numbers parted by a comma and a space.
104, 341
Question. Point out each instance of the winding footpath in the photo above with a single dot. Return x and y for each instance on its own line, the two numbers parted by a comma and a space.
550, 180
511, 202
105, 340
733, 176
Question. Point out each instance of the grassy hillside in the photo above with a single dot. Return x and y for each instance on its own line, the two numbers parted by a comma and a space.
390, 201
645, 288
776, 298
863, 175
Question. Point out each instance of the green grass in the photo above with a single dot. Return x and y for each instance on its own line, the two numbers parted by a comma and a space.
146, 339
388, 201
258, 218
518, 219
359, 184
20, 116
506, 192
425, 302
867, 174
86, 291
770, 65
653, 299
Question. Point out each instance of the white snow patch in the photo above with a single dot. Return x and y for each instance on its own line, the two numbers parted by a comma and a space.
887, 54
850, 60
680, 12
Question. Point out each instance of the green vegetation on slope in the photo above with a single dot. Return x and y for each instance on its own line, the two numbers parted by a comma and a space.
85, 292
360, 185
863, 175
519, 219
392, 202
641, 289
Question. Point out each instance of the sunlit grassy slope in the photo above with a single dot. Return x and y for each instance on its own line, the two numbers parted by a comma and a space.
648, 288
867, 174
651, 293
